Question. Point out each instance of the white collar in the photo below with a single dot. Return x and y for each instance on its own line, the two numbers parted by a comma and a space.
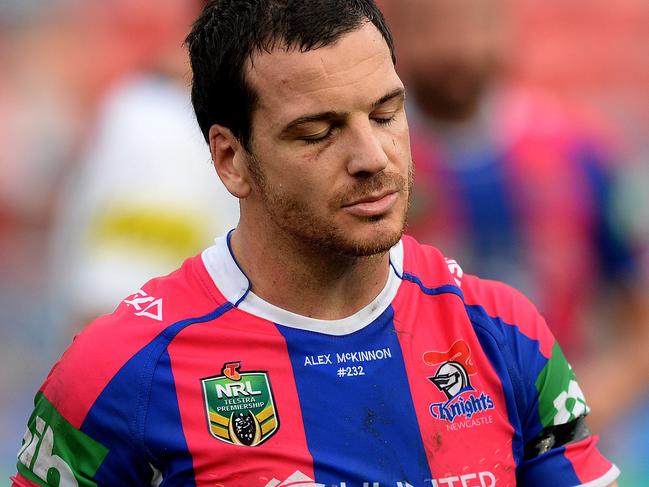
235, 287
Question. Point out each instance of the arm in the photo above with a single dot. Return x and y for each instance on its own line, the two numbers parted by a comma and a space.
559, 444
57, 451
556, 446
81, 431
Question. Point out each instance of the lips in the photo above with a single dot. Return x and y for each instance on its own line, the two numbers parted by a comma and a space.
372, 205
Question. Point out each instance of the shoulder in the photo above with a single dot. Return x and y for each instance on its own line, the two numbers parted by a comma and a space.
103, 349
494, 306
501, 308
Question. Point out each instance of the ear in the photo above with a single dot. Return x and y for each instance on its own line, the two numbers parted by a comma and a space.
230, 160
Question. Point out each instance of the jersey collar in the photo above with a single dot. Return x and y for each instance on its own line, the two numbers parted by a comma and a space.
235, 287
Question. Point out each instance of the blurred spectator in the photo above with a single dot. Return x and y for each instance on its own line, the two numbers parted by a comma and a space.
95, 121
521, 186
145, 197
58, 58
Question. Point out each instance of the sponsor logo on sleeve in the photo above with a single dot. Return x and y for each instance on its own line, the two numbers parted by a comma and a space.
55, 452
561, 400
240, 407
453, 378
570, 404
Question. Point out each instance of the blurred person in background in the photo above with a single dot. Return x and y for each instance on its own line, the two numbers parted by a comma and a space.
58, 59
520, 188
143, 197
75, 74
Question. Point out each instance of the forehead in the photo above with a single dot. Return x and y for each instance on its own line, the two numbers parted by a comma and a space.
348, 74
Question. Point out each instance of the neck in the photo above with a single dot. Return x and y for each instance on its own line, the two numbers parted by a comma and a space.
305, 280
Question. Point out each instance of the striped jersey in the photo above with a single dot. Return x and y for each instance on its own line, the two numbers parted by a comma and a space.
443, 380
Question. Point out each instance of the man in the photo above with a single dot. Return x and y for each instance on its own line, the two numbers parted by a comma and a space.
313, 345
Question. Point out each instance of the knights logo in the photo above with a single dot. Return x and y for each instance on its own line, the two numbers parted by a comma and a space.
452, 379
455, 367
240, 407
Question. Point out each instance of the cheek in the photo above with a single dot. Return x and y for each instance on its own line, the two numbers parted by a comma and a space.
301, 186
399, 147
313, 176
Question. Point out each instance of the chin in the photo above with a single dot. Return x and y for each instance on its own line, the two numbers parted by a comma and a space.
377, 241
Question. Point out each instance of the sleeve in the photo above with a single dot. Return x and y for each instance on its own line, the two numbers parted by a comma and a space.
552, 444
559, 447
107, 413
100, 450
54, 452
84, 429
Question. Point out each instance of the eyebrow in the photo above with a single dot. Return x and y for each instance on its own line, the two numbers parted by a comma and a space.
398, 93
333, 115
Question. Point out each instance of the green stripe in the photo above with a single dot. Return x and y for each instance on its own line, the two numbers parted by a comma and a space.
54, 451
560, 399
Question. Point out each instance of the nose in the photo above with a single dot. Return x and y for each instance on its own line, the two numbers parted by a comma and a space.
366, 151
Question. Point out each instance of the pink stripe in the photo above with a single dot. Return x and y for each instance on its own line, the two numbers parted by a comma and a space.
498, 299
435, 325
588, 462
418, 257
201, 351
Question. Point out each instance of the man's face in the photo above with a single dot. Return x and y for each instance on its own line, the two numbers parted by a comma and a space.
330, 153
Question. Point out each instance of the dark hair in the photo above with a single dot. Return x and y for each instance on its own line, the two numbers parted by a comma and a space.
229, 32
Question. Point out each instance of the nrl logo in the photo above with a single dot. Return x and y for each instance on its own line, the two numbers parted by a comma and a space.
240, 407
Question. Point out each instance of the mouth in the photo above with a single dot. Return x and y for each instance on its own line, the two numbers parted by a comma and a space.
372, 205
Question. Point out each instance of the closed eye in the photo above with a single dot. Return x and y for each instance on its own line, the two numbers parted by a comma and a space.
385, 120
317, 138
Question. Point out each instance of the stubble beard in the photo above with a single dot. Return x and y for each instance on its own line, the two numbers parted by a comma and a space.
295, 217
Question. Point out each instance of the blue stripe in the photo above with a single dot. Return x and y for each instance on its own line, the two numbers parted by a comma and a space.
117, 418
155, 349
166, 442
518, 361
359, 428
244, 295
433, 291
491, 336
551, 468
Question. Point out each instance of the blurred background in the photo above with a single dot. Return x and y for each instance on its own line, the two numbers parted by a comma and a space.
529, 123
